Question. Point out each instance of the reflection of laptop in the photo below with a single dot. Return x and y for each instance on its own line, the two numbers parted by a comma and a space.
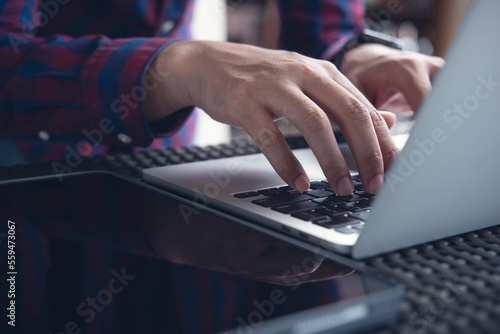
444, 182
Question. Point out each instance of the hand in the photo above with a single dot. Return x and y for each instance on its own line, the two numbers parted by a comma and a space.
189, 236
391, 79
251, 87
178, 233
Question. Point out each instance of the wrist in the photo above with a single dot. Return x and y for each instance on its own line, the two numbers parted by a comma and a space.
366, 36
166, 90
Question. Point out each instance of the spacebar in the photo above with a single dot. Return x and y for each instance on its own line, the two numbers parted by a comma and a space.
282, 200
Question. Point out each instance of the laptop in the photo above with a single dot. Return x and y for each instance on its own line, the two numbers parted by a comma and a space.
443, 183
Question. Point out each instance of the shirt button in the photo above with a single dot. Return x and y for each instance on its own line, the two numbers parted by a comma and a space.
44, 135
124, 138
167, 26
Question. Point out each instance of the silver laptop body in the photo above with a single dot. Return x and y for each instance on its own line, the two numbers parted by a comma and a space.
444, 182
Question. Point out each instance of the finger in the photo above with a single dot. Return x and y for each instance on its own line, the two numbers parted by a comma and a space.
356, 123
380, 96
282, 262
329, 270
356, 119
435, 64
397, 103
414, 80
316, 128
389, 117
386, 145
260, 126
414, 83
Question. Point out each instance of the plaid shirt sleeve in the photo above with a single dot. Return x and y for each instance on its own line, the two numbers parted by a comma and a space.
72, 88
319, 28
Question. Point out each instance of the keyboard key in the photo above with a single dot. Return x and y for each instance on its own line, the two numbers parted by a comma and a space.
318, 185
368, 201
339, 220
346, 230
362, 193
318, 193
327, 201
247, 194
286, 198
311, 215
296, 207
286, 188
329, 189
271, 192
322, 221
363, 215
358, 187
215, 154
332, 210
350, 198
202, 155
355, 206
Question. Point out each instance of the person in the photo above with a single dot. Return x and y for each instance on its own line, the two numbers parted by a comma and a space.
123, 75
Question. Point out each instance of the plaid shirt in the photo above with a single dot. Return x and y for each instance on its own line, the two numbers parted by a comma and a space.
65, 66
70, 72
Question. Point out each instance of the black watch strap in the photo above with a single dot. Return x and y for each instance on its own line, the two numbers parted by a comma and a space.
367, 36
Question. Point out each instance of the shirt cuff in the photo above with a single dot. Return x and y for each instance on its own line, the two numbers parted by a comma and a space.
112, 91
169, 125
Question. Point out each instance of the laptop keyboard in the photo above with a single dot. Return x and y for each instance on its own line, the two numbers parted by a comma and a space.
319, 205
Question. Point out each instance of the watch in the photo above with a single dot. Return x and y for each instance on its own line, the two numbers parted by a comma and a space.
367, 36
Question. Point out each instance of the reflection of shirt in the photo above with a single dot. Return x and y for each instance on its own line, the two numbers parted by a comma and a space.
69, 77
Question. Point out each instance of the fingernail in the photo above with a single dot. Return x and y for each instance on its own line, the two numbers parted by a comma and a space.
375, 184
345, 186
301, 183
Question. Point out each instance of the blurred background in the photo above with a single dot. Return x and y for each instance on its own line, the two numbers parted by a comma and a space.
426, 26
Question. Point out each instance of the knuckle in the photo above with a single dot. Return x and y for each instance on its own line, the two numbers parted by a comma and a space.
373, 159
291, 54
269, 72
288, 165
440, 62
391, 152
303, 68
238, 87
336, 165
296, 63
377, 119
357, 111
329, 66
268, 140
314, 120
310, 265
409, 63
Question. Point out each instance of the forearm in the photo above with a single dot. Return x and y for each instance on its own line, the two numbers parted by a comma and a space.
170, 89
